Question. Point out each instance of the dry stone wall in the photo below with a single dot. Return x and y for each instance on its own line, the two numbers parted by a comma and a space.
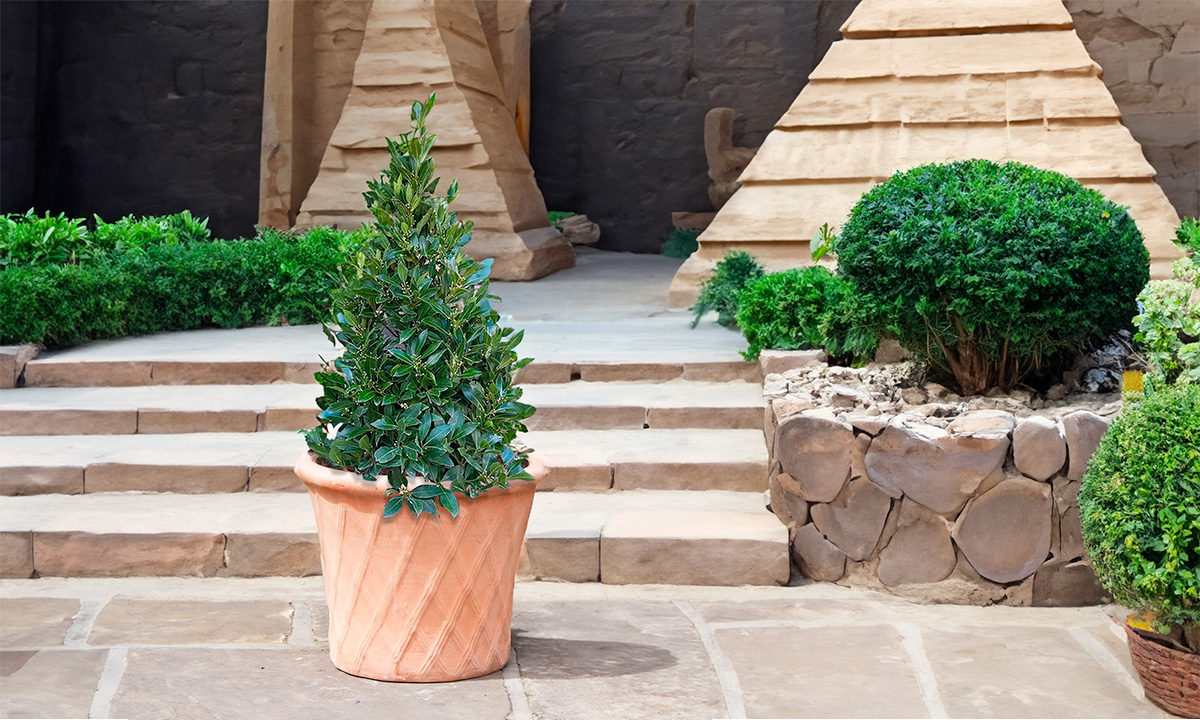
890, 483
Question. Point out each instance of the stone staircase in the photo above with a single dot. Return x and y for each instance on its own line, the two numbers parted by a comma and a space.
182, 466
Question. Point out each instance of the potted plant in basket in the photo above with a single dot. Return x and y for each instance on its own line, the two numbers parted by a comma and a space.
418, 413
1139, 504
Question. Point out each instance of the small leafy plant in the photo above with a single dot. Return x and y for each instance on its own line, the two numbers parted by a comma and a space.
1139, 504
1169, 324
991, 272
788, 310
720, 291
423, 393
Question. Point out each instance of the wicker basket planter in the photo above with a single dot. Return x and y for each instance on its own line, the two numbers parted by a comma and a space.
1170, 678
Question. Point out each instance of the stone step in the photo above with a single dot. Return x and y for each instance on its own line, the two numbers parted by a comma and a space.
584, 460
147, 409
642, 536
55, 372
652, 349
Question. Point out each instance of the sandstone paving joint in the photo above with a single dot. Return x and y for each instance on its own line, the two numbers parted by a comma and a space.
731, 689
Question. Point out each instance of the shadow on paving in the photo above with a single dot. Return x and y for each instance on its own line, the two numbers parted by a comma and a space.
549, 658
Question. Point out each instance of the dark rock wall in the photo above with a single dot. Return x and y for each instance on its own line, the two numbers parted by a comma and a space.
134, 107
619, 90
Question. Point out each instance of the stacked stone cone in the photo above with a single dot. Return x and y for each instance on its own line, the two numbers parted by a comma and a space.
411, 48
922, 81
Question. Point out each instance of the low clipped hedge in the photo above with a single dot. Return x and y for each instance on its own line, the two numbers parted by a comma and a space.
272, 278
991, 272
1139, 504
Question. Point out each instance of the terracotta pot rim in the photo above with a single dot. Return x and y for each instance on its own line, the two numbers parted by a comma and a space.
315, 474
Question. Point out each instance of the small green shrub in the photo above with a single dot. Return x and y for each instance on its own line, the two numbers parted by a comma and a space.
788, 310
720, 290
1139, 504
681, 243
989, 272
425, 385
131, 233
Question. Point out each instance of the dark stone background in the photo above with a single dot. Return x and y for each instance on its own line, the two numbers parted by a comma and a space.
133, 107
620, 89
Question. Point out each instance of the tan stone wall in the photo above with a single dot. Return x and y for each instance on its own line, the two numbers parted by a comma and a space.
1150, 52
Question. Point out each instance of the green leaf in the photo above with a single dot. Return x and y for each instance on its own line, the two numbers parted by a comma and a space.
393, 505
449, 502
385, 455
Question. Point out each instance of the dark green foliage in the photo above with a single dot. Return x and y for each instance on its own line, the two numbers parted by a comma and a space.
271, 279
989, 271
720, 290
681, 243
790, 310
424, 388
1139, 503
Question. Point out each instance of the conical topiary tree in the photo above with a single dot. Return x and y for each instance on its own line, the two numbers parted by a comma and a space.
424, 388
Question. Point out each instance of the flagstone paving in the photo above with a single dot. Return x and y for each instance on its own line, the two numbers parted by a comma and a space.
237, 648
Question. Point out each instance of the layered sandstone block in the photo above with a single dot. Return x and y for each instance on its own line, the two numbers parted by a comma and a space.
924, 81
475, 65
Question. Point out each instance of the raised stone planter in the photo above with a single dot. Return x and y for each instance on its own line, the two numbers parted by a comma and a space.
894, 484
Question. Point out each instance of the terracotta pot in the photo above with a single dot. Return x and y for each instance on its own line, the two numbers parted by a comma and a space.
417, 599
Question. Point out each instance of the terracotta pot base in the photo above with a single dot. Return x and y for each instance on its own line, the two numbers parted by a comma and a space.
417, 599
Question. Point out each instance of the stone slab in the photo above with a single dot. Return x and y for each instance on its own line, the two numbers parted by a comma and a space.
135, 621
952, 17
51, 683
41, 480
789, 672
82, 554
223, 462
16, 554
642, 660
274, 685
1057, 675
693, 547
35, 622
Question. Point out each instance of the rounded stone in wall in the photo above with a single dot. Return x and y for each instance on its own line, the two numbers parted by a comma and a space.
1039, 448
817, 453
921, 551
937, 469
1005, 533
818, 558
855, 520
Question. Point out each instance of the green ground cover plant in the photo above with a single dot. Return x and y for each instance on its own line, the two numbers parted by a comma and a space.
681, 243
721, 290
990, 272
1169, 323
1139, 504
424, 387
138, 276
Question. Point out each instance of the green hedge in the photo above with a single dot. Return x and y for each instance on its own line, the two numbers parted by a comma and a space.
172, 285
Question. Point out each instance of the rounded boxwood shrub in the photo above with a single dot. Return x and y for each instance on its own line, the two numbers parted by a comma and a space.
787, 310
1139, 504
989, 272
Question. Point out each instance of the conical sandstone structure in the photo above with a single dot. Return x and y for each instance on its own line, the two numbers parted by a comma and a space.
921, 81
411, 48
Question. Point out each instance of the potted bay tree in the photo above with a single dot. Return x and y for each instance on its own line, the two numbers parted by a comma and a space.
420, 492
